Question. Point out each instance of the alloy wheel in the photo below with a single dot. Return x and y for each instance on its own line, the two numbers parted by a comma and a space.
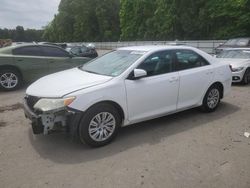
9, 80
213, 98
102, 126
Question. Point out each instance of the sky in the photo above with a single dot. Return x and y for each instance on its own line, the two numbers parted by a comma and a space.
33, 14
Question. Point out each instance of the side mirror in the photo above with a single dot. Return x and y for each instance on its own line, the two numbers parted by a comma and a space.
139, 73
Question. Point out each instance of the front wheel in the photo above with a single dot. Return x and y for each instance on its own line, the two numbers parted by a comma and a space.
10, 79
99, 125
212, 99
246, 77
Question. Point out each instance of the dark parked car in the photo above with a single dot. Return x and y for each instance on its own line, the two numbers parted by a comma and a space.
83, 51
234, 43
28, 62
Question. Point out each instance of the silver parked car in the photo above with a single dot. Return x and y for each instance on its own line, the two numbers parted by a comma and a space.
239, 59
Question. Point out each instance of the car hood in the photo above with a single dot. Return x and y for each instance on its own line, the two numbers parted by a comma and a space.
62, 83
235, 62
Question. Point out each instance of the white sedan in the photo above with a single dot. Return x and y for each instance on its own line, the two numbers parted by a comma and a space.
123, 87
239, 59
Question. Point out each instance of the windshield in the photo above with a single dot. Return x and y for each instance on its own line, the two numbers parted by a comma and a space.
112, 64
237, 42
235, 54
231, 42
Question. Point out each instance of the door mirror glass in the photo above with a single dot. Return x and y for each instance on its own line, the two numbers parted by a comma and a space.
139, 73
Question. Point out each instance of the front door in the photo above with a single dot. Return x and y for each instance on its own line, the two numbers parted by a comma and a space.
156, 94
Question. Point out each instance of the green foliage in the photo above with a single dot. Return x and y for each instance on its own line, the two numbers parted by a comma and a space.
112, 20
184, 19
85, 20
229, 18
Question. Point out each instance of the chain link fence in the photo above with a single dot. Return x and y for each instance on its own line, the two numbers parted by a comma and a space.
205, 45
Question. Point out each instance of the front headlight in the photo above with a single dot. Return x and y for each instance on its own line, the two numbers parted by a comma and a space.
237, 69
46, 105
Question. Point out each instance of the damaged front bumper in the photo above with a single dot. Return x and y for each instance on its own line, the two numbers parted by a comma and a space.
47, 122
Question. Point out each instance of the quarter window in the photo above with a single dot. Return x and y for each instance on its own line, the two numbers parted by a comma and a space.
158, 63
187, 59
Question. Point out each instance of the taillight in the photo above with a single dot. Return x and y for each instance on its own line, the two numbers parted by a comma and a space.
231, 68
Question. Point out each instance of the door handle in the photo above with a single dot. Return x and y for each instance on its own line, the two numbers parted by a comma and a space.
209, 72
19, 60
173, 79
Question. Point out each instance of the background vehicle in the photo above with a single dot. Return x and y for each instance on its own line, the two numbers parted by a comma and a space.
5, 42
126, 86
233, 43
239, 59
26, 63
82, 51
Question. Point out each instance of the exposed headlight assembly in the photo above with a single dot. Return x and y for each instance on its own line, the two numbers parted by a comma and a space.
47, 105
237, 69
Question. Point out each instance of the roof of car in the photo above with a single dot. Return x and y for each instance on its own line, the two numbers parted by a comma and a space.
154, 47
8, 49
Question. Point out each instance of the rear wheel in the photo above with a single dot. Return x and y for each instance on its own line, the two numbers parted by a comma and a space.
99, 125
212, 99
10, 79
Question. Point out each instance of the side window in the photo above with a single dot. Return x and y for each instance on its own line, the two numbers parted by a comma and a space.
54, 52
28, 51
76, 50
84, 49
187, 59
158, 63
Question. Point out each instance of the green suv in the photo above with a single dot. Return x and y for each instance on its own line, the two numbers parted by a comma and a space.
27, 63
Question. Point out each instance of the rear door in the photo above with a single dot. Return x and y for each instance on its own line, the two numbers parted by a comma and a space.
31, 62
58, 59
195, 76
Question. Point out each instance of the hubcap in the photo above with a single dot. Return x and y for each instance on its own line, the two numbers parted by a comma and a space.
213, 98
102, 126
8, 80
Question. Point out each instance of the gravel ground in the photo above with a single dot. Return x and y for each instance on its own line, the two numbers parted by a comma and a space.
188, 149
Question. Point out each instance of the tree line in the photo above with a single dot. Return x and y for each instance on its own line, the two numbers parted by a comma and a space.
19, 34
184, 19
129, 20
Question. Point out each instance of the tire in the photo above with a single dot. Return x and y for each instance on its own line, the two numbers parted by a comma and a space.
212, 98
246, 77
10, 79
99, 125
